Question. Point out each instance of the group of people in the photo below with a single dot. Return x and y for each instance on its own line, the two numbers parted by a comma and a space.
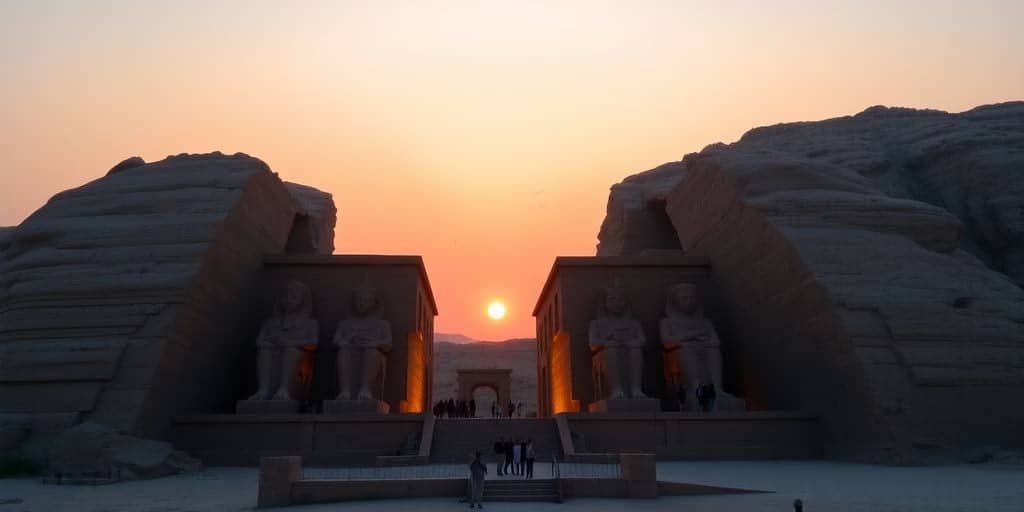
705, 394
453, 408
514, 456
509, 411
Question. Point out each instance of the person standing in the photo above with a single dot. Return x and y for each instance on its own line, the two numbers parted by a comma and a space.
499, 454
530, 456
472, 408
477, 472
517, 458
507, 449
511, 409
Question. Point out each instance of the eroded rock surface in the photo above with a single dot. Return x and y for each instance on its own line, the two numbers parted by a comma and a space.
872, 266
125, 301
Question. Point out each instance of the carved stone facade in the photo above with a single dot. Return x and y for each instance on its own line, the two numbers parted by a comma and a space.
575, 289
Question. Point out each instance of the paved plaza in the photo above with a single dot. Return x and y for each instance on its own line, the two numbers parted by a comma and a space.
823, 486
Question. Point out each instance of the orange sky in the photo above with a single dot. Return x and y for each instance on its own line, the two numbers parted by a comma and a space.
481, 135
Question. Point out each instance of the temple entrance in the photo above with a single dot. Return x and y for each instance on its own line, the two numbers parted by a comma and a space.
484, 396
485, 386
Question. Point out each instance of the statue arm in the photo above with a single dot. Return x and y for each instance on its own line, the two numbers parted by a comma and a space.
595, 341
669, 339
342, 336
385, 344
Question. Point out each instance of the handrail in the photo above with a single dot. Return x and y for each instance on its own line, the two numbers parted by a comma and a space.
556, 471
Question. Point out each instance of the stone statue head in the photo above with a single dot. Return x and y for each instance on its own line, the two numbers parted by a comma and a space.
365, 301
615, 302
297, 300
682, 299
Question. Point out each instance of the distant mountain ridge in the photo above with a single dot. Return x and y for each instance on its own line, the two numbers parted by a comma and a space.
453, 352
462, 339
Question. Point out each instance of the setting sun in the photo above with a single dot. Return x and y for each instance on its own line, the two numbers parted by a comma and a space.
496, 310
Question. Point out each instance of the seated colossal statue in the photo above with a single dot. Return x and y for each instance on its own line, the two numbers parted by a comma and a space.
282, 339
363, 340
616, 342
690, 340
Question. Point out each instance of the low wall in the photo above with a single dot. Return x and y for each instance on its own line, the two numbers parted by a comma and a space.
241, 440
676, 436
327, 491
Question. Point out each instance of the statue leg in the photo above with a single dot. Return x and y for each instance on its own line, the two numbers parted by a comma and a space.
688, 359
636, 372
714, 366
290, 358
371, 367
264, 369
613, 373
345, 355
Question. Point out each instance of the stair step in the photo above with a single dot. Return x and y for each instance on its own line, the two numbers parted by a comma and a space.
535, 497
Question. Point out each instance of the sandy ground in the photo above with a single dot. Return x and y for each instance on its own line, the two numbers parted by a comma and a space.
823, 486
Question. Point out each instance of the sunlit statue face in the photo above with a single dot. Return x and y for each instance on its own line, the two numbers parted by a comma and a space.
295, 296
365, 301
685, 298
615, 301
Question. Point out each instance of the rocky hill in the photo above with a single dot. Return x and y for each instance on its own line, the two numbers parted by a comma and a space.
519, 355
871, 267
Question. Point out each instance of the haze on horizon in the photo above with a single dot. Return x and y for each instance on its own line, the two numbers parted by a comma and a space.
483, 136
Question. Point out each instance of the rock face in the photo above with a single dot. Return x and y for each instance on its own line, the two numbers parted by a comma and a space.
124, 301
94, 451
872, 266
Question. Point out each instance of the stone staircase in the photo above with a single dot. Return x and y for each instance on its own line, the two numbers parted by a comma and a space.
521, 490
455, 440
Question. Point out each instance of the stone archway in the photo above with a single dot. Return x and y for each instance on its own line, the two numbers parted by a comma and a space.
498, 379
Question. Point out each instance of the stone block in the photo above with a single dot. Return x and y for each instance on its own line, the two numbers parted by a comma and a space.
276, 477
355, 407
632, 405
267, 407
640, 473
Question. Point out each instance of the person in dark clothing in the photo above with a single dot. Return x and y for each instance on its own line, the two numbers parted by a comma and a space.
681, 396
472, 408
499, 452
450, 408
530, 456
507, 449
511, 409
477, 472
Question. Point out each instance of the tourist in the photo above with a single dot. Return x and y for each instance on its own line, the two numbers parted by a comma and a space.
681, 396
517, 458
511, 409
494, 409
477, 471
499, 453
450, 407
530, 456
507, 450
519, 409
472, 408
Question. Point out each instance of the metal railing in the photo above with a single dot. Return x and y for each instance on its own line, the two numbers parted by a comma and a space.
588, 470
422, 472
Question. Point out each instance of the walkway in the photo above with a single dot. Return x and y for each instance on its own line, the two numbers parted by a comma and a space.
824, 487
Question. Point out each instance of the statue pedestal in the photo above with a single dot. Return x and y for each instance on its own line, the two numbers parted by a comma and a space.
266, 407
638, 405
355, 407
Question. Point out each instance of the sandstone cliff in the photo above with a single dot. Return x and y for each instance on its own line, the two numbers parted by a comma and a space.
124, 301
871, 267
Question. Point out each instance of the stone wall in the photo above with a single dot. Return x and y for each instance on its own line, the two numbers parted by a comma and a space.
124, 301
870, 271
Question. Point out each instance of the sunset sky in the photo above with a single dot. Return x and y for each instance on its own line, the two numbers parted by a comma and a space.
480, 135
